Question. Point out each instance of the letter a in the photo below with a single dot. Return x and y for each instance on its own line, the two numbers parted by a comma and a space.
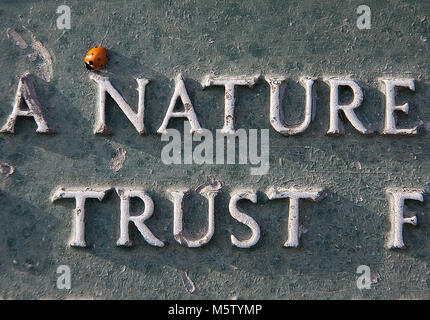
27, 93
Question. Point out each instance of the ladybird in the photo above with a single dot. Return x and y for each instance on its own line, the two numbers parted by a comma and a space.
96, 58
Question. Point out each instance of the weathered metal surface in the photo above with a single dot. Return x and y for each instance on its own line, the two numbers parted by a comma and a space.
159, 41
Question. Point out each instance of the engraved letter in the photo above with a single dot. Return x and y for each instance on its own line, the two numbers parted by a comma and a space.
245, 219
293, 213
80, 195
390, 96
348, 109
276, 111
139, 221
229, 98
397, 202
209, 192
189, 113
137, 119
27, 93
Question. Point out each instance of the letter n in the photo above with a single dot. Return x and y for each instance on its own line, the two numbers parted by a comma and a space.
137, 119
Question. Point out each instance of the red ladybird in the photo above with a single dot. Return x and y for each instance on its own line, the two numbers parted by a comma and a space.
96, 58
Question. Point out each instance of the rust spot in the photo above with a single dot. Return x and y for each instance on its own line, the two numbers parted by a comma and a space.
118, 161
6, 169
374, 277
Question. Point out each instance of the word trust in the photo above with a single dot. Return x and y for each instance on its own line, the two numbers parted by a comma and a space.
209, 191
26, 92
